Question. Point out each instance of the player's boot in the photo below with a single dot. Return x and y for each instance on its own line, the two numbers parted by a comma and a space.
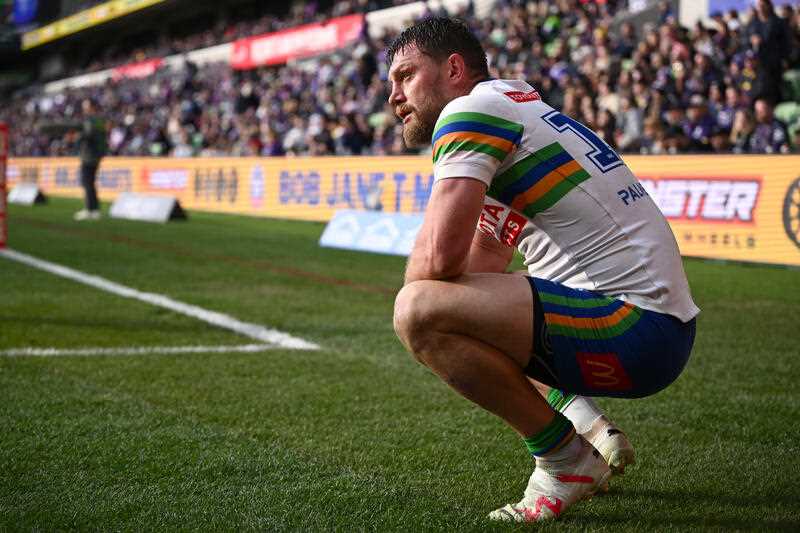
612, 444
551, 492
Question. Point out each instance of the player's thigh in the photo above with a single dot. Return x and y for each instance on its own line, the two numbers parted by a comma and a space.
496, 309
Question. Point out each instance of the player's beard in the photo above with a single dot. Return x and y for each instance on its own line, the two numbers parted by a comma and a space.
418, 131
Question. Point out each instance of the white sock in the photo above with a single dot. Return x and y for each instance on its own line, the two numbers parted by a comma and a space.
582, 412
564, 456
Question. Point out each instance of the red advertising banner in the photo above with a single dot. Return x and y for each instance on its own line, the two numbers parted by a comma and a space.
3, 160
303, 41
140, 69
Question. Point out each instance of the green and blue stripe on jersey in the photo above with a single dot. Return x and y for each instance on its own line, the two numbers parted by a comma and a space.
476, 132
538, 181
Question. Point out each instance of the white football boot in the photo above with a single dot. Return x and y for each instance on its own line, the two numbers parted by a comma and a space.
551, 492
612, 444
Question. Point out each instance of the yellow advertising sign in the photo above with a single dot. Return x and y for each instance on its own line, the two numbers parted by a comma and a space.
82, 20
297, 188
744, 208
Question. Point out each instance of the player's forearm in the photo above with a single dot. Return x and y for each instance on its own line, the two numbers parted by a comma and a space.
426, 264
443, 242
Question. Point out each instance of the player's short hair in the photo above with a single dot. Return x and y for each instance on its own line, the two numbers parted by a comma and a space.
438, 37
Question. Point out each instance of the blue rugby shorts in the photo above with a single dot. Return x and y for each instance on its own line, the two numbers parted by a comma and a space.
590, 344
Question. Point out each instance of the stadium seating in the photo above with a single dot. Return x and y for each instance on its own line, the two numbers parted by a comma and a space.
629, 83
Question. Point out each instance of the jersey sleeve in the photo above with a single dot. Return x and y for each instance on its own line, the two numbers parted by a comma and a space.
473, 136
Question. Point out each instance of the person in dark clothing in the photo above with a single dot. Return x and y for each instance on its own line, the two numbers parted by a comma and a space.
626, 42
355, 137
769, 37
93, 145
770, 135
699, 125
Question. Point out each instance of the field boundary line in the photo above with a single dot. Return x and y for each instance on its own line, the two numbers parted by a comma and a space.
134, 350
253, 331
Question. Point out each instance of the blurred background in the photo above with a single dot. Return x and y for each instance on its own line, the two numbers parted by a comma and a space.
652, 77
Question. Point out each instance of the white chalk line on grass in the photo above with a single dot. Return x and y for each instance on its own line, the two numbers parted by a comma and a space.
254, 331
135, 350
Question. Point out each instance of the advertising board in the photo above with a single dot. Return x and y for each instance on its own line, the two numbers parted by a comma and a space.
744, 208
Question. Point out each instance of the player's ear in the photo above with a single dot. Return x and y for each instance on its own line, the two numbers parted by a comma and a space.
456, 68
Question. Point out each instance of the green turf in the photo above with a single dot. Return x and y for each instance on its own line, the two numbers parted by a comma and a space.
355, 436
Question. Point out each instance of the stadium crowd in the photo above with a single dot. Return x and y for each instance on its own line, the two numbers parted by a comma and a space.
233, 25
662, 89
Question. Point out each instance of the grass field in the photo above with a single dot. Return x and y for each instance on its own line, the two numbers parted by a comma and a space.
355, 436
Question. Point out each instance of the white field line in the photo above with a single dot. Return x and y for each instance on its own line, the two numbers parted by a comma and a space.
134, 350
254, 331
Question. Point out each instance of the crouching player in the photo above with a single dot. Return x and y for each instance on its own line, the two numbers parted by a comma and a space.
605, 309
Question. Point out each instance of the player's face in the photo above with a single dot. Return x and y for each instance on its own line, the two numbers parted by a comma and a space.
417, 95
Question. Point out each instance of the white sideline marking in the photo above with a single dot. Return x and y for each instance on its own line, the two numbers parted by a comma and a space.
134, 350
254, 331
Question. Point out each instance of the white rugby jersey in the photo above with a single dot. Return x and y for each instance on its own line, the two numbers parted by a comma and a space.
562, 196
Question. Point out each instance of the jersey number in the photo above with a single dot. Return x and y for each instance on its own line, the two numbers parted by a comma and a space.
601, 154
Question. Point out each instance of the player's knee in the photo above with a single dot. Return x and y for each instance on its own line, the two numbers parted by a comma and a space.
413, 311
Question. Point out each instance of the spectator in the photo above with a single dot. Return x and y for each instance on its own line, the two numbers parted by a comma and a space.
720, 140
182, 147
653, 137
665, 12
743, 126
769, 39
605, 126
744, 71
270, 145
770, 135
629, 126
674, 119
732, 20
626, 42
353, 137
675, 141
246, 99
723, 113
698, 125
607, 99
294, 142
